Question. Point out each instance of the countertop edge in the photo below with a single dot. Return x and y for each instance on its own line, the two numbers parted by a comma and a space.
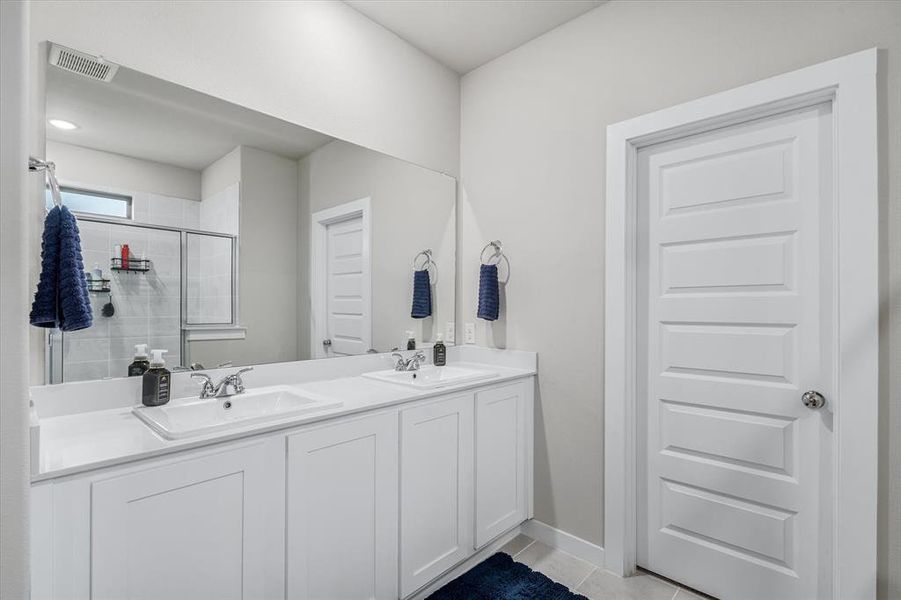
512, 374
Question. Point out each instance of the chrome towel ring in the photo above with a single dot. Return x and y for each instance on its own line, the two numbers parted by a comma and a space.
427, 265
498, 251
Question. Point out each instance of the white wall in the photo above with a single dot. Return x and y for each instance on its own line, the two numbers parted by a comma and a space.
14, 542
532, 165
77, 163
221, 191
222, 173
319, 64
412, 209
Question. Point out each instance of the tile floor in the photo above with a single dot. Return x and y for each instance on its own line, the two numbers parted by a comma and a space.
590, 581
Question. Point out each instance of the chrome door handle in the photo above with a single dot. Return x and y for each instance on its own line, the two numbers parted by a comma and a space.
813, 399
326, 342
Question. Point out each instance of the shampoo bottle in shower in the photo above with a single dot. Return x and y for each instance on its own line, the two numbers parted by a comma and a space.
155, 389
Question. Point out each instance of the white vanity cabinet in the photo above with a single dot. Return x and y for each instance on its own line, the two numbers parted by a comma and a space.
372, 505
205, 525
342, 510
436, 529
502, 474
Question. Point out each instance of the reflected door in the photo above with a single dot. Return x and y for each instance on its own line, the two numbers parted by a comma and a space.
341, 281
738, 293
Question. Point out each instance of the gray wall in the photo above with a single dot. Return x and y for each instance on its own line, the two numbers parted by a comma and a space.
532, 168
412, 209
14, 542
268, 264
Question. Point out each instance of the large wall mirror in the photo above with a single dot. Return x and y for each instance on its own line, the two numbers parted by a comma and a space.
249, 239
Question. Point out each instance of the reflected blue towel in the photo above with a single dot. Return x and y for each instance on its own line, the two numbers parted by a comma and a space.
489, 295
62, 298
422, 295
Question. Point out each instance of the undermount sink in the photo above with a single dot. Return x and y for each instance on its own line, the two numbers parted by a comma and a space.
430, 376
186, 418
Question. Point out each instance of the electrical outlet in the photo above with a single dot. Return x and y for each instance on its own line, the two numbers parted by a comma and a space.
469, 333
449, 332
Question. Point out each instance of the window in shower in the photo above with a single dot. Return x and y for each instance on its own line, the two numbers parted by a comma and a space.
89, 202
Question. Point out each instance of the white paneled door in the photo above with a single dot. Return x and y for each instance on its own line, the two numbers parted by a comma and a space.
346, 313
341, 280
736, 252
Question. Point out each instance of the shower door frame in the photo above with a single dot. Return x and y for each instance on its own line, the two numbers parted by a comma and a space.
183, 327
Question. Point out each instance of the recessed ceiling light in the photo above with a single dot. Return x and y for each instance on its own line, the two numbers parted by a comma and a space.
61, 124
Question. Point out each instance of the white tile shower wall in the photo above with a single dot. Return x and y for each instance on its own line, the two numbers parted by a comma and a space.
147, 305
209, 280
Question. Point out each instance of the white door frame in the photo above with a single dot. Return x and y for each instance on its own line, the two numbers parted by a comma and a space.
849, 83
318, 269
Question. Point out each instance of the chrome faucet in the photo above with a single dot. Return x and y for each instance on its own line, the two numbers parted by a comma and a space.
408, 364
219, 390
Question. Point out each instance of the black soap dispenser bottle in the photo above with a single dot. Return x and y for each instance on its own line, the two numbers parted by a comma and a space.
439, 352
157, 379
141, 363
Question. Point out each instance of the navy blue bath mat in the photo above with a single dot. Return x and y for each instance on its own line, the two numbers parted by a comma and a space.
499, 578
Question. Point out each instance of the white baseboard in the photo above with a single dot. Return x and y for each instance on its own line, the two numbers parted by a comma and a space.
542, 532
566, 542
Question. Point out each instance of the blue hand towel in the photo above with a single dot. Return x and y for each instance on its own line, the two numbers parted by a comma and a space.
489, 294
62, 298
422, 295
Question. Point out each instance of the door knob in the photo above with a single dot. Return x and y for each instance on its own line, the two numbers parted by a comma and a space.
813, 399
326, 342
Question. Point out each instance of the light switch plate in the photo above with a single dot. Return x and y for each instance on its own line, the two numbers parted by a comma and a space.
469, 333
449, 332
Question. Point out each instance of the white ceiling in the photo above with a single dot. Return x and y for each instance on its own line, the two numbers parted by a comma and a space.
464, 34
144, 117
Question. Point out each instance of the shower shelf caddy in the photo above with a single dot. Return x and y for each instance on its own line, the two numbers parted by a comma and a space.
135, 265
98, 285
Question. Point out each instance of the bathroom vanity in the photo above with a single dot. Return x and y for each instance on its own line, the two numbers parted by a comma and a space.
236, 238
375, 495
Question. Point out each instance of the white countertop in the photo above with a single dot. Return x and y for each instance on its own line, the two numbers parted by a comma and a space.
73, 443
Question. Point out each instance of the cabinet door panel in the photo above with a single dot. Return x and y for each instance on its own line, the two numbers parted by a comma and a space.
342, 510
436, 489
204, 527
501, 461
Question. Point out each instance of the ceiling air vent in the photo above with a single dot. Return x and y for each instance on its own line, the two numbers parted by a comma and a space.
86, 65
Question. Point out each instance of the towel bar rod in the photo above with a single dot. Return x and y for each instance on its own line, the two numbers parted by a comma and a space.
49, 167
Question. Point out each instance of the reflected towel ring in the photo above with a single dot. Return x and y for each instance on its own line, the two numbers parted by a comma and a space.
428, 259
429, 265
498, 251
